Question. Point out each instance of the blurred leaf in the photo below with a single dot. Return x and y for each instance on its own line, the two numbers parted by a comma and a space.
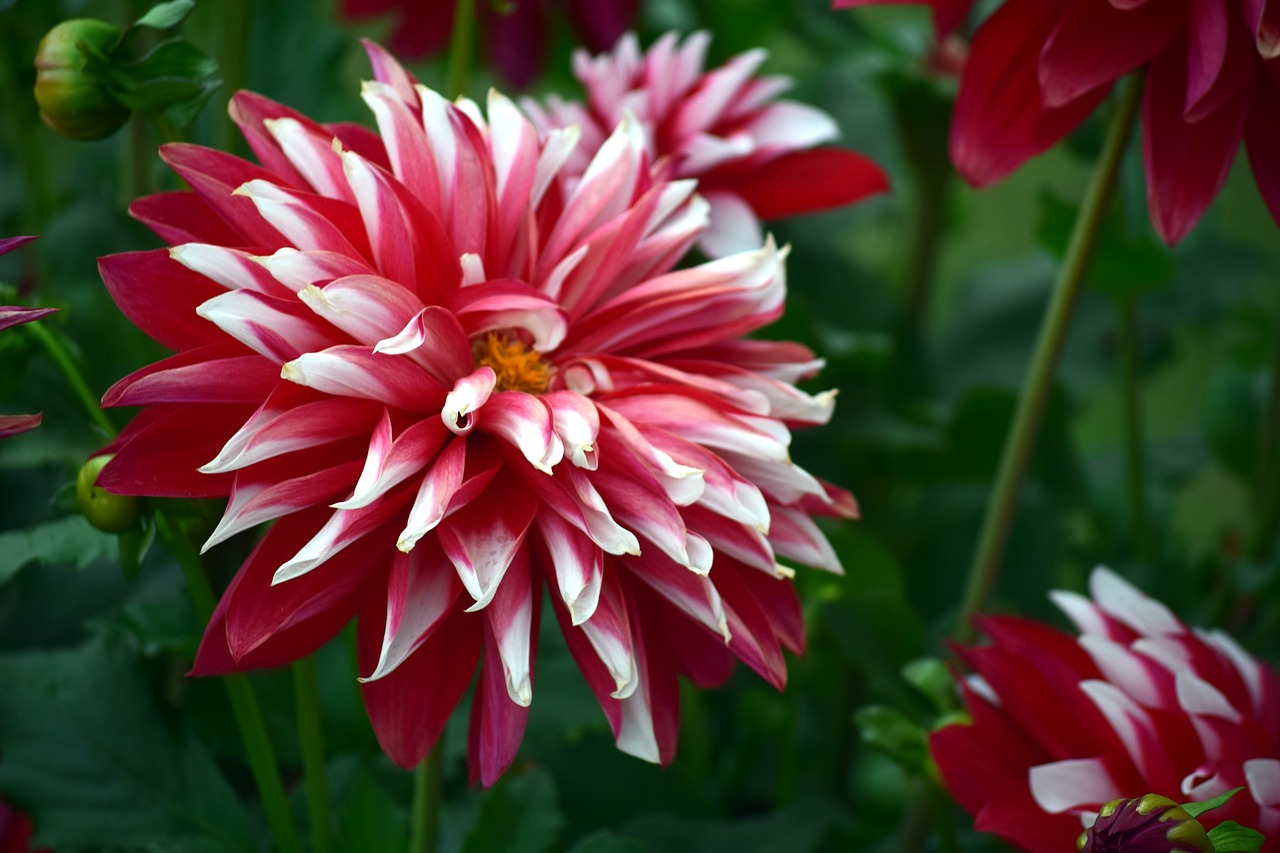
605, 841
1199, 808
1231, 837
134, 544
932, 678
518, 813
372, 821
895, 734
1124, 264
70, 539
175, 74
166, 16
92, 760
1232, 411
796, 829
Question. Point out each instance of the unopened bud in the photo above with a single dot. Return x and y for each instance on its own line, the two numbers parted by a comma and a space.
72, 101
105, 511
1150, 824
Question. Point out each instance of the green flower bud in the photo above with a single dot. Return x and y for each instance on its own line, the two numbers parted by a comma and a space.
73, 102
1150, 824
105, 511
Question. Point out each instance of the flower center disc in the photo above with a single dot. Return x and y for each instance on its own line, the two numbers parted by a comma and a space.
518, 367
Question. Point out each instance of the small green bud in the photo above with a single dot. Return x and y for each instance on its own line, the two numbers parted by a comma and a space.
105, 511
1149, 824
72, 101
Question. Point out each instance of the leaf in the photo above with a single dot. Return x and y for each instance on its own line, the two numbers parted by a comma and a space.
1232, 410
174, 74
932, 678
166, 16
1231, 837
372, 821
519, 813
605, 841
98, 767
799, 828
70, 539
1197, 809
895, 734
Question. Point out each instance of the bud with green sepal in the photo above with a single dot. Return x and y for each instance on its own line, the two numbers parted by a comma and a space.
104, 510
1156, 824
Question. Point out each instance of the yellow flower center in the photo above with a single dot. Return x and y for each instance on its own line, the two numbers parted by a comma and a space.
519, 367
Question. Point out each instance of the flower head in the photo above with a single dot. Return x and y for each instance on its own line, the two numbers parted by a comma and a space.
516, 30
1137, 702
1148, 824
755, 156
1037, 69
13, 315
454, 376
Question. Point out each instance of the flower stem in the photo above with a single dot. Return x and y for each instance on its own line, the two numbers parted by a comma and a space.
237, 18
311, 735
424, 835
75, 379
461, 42
1039, 380
244, 705
1133, 428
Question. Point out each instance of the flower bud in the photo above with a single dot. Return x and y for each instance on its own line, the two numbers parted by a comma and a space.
1150, 824
105, 511
72, 101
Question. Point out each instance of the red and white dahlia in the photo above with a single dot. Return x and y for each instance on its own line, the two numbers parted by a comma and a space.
1136, 703
755, 157
16, 315
451, 376
1037, 68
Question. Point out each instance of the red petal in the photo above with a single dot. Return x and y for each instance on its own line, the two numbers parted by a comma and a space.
600, 23
1262, 138
806, 181
162, 448
160, 297
15, 424
214, 176
517, 40
183, 217
214, 373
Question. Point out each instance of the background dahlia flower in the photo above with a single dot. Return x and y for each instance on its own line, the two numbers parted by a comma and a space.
1036, 69
755, 156
14, 315
516, 36
453, 377
1136, 703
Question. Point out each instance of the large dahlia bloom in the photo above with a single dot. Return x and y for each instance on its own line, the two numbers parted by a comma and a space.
755, 157
1037, 68
453, 377
1137, 703
14, 315
516, 35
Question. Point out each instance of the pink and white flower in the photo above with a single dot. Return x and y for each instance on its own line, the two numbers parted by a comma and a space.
452, 374
755, 157
1136, 703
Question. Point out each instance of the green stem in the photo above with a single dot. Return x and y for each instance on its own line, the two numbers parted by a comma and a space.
424, 834
134, 162
244, 705
237, 18
74, 378
1133, 428
461, 42
311, 735
1039, 380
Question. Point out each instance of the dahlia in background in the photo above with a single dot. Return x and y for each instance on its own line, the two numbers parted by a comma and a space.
13, 315
451, 374
755, 156
516, 35
1037, 69
1136, 703
15, 828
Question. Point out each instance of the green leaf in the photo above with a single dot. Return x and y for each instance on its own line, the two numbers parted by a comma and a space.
372, 821
1197, 809
98, 767
175, 73
1232, 410
166, 16
1124, 264
70, 539
605, 841
134, 544
518, 813
1231, 837
895, 734
932, 678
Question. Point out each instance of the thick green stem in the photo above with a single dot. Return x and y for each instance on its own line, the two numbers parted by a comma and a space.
244, 705
237, 19
306, 695
461, 43
74, 378
1133, 429
1003, 502
424, 836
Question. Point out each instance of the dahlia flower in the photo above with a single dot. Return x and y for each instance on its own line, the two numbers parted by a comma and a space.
1038, 68
755, 157
1148, 824
12, 315
452, 376
517, 36
1136, 703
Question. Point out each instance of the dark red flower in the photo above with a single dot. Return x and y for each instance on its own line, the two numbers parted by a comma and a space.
1037, 68
12, 315
516, 29
1138, 702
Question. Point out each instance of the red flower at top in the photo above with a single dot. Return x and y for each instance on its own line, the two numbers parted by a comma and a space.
1037, 68
1137, 704
755, 157
455, 376
517, 36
